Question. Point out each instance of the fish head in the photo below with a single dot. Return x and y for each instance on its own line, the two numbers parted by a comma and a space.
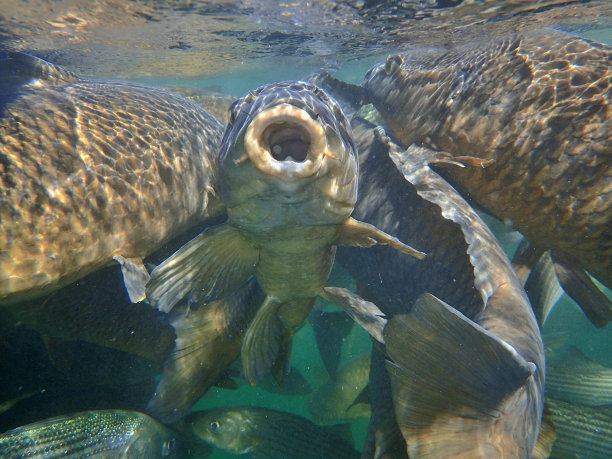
152, 439
288, 154
224, 428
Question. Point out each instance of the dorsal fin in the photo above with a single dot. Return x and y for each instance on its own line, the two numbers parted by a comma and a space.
20, 69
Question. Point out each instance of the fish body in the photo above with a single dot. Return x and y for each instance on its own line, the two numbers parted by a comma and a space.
94, 170
288, 179
102, 434
581, 431
263, 433
342, 398
535, 109
443, 410
577, 379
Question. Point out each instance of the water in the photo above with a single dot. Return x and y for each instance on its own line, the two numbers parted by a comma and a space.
231, 48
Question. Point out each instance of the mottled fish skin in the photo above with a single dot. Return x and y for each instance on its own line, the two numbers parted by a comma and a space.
104, 434
263, 433
90, 170
539, 106
467, 269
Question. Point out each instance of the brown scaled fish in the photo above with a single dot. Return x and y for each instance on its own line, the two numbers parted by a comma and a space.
538, 105
94, 170
288, 171
466, 366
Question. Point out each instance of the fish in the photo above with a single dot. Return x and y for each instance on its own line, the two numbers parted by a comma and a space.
216, 103
264, 433
532, 113
288, 180
463, 350
103, 433
344, 397
95, 171
581, 431
95, 311
208, 341
578, 379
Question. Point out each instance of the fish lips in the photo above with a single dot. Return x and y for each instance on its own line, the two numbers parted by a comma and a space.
286, 142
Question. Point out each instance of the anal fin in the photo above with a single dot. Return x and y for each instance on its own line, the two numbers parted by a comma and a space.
360, 234
444, 362
208, 267
265, 342
135, 277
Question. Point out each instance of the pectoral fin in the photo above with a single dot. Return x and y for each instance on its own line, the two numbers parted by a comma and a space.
360, 234
266, 343
135, 277
363, 312
208, 267
442, 362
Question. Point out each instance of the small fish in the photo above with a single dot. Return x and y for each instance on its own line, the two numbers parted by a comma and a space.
107, 433
463, 347
288, 176
8, 404
264, 433
92, 171
577, 379
344, 397
536, 110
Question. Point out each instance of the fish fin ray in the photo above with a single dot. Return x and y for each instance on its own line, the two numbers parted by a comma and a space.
204, 348
442, 362
360, 234
261, 342
135, 277
361, 311
206, 268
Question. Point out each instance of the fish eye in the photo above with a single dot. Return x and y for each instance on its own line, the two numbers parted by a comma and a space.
393, 64
168, 447
214, 426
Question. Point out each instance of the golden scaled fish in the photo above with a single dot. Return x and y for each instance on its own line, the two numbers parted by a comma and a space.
535, 111
94, 170
288, 178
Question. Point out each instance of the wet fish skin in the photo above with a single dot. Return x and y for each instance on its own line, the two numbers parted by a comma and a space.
539, 106
107, 433
288, 178
263, 433
91, 170
468, 270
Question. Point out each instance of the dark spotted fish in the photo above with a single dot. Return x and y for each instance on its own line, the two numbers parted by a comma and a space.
94, 170
535, 111
263, 433
105, 434
466, 366
288, 176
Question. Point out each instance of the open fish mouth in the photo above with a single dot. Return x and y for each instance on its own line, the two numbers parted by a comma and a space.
285, 141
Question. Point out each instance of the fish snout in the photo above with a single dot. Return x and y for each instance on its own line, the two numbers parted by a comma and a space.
285, 141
